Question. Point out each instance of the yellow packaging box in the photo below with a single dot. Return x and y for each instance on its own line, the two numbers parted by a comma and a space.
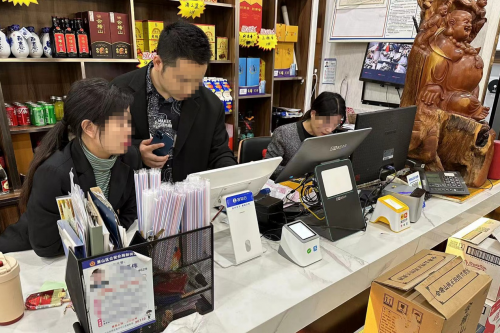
212, 49
292, 33
139, 38
287, 55
262, 75
209, 30
222, 48
430, 292
280, 32
152, 31
278, 56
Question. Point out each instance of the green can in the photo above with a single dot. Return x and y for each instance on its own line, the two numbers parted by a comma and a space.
38, 116
50, 114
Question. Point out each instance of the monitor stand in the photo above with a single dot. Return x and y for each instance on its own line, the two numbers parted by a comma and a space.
341, 205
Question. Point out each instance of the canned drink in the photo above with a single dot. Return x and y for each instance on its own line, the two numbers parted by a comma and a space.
23, 115
38, 115
11, 115
50, 114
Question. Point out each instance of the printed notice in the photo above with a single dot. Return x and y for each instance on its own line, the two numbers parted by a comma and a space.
400, 19
393, 322
360, 3
329, 71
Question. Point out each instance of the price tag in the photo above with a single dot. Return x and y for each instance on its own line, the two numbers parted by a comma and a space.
248, 39
25, 32
146, 59
22, 2
191, 9
267, 42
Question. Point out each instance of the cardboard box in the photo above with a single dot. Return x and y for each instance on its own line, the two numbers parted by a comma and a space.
430, 292
222, 48
152, 31
120, 35
283, 56
253, 71
98, 29
480, 252
262, 74
292, 33
139, 38
280, 32
490, 317
209, 30
242, 72
251, 14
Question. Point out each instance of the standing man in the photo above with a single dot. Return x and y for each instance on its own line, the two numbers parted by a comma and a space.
169, 97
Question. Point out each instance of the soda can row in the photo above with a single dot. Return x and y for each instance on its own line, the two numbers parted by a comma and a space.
37, 114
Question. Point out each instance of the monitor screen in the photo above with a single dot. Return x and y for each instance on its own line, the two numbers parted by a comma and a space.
386, 63
301, 230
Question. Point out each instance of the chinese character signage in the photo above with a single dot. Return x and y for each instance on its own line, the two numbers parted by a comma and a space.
191, 9
267, 40
22, 2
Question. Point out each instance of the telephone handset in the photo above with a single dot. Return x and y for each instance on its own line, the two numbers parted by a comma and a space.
443, 182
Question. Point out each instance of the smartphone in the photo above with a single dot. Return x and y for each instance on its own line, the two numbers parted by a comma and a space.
160, 137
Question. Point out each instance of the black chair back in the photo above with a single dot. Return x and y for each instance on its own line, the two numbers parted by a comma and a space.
251, 149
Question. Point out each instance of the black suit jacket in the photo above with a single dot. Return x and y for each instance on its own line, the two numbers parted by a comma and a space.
37, 227
202, 140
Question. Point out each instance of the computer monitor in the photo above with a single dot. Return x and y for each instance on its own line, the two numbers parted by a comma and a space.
250, 176
386, 63
321, 149
387, 143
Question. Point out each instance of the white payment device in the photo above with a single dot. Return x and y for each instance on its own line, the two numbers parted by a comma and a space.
300, 244
393, 212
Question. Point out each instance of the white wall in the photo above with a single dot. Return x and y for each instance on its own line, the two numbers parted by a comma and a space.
350, 59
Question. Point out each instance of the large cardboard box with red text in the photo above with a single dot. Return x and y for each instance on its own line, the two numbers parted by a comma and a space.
430, 292
480, 251
490, 318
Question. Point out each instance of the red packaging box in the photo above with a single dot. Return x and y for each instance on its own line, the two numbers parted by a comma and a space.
120, 35
251, 14
97, 26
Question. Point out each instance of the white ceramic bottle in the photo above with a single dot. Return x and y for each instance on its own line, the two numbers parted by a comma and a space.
4, 46
45, 37
19, 45
35, 46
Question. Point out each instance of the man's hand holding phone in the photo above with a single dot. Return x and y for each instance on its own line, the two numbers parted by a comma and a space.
148, 157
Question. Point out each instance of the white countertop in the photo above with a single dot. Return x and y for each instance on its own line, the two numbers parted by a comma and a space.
270, 294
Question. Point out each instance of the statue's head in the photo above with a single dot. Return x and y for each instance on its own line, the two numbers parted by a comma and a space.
458, 25
443, 10
482, 3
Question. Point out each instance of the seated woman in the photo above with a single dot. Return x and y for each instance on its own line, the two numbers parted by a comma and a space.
327, 114
97, 117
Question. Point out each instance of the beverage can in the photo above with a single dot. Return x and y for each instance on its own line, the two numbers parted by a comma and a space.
11, 115
50, 114
38, 115
23, 115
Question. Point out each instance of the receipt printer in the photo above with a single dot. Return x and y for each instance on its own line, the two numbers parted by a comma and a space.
393, 212
300, 244
410, 196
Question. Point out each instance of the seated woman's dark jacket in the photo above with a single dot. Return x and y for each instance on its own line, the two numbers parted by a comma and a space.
37, 227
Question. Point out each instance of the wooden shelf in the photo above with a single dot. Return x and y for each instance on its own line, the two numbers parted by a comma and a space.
292, 78
78, 60
255, 96
30, 129
214, 4
10, 198
221, 62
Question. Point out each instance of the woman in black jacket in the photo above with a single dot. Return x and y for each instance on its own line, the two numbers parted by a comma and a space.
97, 119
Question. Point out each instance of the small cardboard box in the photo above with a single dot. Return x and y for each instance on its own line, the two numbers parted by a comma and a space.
253, 71
152, 31
251, 14
209, 30
120, 35
479, 251
430, 292
280, 32
222, 48
292, 33
490, 317
139, 38
97, 26
242, 72
262, 75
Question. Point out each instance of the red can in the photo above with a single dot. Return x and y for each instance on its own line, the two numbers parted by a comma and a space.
23, 115
11, 114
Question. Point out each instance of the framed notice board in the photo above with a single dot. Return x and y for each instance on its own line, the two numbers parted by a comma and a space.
374, 20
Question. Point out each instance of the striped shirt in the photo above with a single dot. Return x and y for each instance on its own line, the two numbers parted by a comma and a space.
102, 169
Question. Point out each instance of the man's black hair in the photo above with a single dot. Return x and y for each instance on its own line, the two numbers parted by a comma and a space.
183, 40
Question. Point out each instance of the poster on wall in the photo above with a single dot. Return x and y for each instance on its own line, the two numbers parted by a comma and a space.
374, 20
329, 71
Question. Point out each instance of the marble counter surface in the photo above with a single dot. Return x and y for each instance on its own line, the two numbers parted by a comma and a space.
270, 294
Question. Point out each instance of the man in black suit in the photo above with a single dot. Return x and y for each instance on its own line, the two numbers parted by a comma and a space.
169, 97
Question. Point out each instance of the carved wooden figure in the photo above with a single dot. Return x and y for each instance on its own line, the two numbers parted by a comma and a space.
443, 77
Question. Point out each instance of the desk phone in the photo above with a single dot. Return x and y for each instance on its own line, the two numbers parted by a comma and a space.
445, 183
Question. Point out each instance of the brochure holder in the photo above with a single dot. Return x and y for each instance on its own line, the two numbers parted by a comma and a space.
190, 253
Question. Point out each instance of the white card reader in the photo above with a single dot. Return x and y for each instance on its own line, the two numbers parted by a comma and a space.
300, 244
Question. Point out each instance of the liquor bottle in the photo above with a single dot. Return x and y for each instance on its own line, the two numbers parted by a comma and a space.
4, 181
83, 40
70, 36
57, 40
2, 160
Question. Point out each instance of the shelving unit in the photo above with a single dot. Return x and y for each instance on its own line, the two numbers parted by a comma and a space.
30, 79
